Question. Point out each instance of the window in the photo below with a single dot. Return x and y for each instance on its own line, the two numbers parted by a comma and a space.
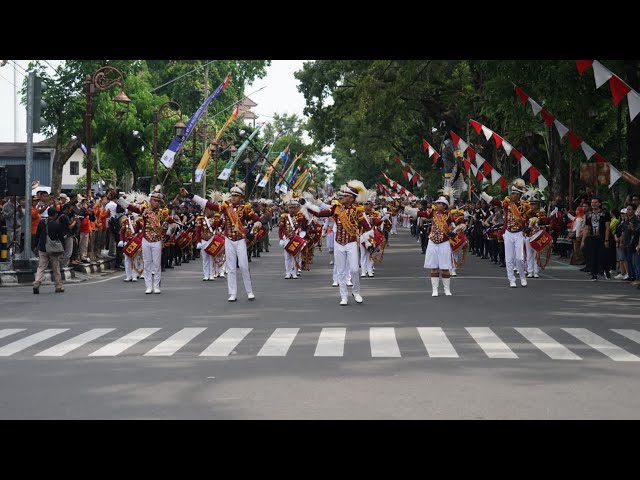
74, 168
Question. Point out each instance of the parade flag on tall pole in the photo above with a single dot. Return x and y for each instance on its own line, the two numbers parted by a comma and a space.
206, 156
267, 175
176, 144
228, 168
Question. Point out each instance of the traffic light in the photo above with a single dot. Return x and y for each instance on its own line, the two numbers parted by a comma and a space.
38, 104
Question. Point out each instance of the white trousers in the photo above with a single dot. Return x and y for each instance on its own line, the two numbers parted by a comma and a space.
207, 260
152, 258
237, 252
514, 254
219, 265
130, 273
394, 225
532, 265
438, 255
345, 259
366, 265
290, 263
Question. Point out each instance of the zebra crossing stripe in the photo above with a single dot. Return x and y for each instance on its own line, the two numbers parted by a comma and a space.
175, 342
331, 342
73, 343
437, 343
490, 343
548, 345
225, 343
29, 341
603, 346
118, 346
10, 331
383, 342
279, 342
630, 334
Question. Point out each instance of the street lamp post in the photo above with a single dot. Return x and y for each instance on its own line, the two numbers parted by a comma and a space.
102, 80
180, 128
216, 146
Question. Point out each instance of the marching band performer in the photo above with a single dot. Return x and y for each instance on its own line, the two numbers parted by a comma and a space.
515, 214
536, 218
439, 256
152, 217
219, 261
348, 220
204, 235
236, 215
129, 227
292, 223
366, 264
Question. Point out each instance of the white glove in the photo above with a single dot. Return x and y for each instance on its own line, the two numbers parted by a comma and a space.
412, 212
302, 234
199, 245
123, 203
120, 244
282, 243
257, 226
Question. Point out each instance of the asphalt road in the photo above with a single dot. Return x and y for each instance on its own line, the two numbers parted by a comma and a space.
563, 347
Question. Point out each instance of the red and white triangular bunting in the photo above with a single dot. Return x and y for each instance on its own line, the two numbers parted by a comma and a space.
471, 153
467, 165
601, 73
534, 174
474, 169
487, 132
600, 158
562, 130
507, 147
486, 168
497, 138
521, 95
588, 151
517, 154
619, 89
583, 65
495, 176
614, 175
547, 117
454, 137
524, 165
535, 107
574, 140
503, 184
476, 125
479, 160
462, 145
542, 182
634, 104
425, 145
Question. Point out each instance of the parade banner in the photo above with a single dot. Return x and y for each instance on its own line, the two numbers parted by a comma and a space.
255, 162
177, 143
202, 166
228, 168
267, 175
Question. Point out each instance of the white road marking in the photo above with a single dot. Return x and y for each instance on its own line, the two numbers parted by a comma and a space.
603, 346
547, 344
490, 343
383, 342
279, 342
331, 342
437, 343
225, 343
73, 343
118, 346
29, 341
175, 342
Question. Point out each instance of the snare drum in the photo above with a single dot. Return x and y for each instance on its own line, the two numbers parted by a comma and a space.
296, 243
541, 240
458, 241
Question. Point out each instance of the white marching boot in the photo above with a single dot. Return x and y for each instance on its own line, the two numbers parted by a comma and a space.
434, 286
447, 286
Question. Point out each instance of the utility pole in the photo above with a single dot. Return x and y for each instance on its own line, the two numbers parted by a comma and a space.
204, 128
26, 253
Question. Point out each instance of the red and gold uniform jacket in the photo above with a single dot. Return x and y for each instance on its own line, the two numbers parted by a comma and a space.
349, 221
286, 230
128, 228
371, 217
234, 219
441, 224
543, 219
152, 221
204, 232
515, 214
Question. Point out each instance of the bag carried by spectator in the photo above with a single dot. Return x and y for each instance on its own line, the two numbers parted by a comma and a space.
52, 246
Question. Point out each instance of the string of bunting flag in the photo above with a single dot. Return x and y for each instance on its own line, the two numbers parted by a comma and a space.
619, 89
525, 165
574, 140
431, 151
399, 188
416, 177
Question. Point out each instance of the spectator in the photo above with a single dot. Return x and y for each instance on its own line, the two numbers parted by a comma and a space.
52, 227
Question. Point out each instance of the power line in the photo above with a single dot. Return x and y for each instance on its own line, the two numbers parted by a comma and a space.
183, 75
52, 67
8, 81
19, 66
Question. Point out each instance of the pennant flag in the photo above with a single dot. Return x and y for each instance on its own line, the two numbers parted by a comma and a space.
486, 168
415, 178
467, 165
397, 160
614, 175
454, 137
476, 125
436, 156
462, 145
479, 176
524, 165
479, 160
471, 153
517, 154
83, 147
497, 138
487, 132
521, 95
562, 130
405, 175
600, 158
601, 73
542, 182
202, 166
583, 65
176, 144
425, 145
495, 176
534, 173
474, 169
619, 89
503, 184
507, 147
230, 165
588, 151
634, 104
547, 117
574, 140
535, 106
